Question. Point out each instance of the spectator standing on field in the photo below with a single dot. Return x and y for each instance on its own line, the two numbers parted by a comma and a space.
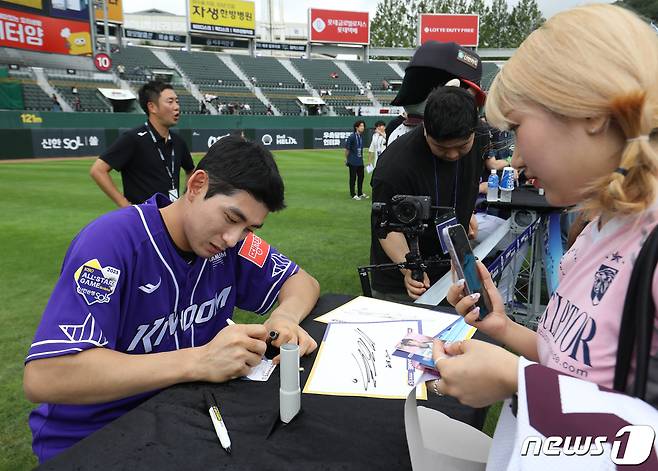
354, 160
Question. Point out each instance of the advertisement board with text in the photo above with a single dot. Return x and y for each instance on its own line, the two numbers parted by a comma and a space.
330, 138
462, 29
234, 17
334, 26
277, 139
43, 34
114, 12
68, 142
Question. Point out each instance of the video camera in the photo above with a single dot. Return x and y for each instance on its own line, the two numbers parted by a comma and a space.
404, 213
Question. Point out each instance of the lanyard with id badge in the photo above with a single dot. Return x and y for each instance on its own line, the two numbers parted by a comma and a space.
173, 192
447, 218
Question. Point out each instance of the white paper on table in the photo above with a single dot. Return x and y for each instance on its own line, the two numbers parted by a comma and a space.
438, 442
364, 309
356, 359
262, 371
370, 168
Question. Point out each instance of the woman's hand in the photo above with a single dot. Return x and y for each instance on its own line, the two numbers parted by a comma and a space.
496, 322
475, 373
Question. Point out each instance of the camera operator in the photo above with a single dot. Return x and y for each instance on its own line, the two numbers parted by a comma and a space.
442, 159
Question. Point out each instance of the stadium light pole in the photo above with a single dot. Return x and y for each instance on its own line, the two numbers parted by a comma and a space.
92, 27
106, 29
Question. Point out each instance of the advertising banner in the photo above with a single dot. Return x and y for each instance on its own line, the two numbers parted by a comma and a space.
333, 26
43, 34
202, 139
281, 46
114, 12
330, 138
462, 29
68, 142
37, 4
153, 36
235, 17
70, 9
277, 139
221, 42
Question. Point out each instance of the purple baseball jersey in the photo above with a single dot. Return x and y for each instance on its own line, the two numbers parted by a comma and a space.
124, 286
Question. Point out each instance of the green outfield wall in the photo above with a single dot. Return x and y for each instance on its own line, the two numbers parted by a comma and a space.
27, 134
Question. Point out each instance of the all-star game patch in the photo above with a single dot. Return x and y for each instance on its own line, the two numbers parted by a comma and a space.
95, 283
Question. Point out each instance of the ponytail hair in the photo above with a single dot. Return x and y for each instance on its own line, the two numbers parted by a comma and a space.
632, 187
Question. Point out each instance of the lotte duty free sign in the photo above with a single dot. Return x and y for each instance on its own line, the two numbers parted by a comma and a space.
332, 26
462, 29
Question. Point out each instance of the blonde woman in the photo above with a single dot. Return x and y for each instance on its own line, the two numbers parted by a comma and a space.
581, 94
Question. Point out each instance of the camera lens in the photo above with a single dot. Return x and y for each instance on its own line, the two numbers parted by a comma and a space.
406, 212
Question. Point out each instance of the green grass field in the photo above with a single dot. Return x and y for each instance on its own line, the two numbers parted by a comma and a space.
44, 204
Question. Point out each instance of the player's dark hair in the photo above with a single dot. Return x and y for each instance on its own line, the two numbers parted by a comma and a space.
379, 123
450, 113
150, 91
358, 123
233, 164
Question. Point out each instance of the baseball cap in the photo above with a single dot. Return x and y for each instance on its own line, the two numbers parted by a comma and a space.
432, 65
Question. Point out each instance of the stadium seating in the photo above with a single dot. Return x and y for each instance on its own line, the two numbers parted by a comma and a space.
234, 96
374, 72
188, 104
138, 63
34, 98
285, 100
267, 72
318, 73
87, 89
205, 69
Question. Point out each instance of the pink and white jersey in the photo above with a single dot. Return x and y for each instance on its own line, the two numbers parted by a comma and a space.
579, 331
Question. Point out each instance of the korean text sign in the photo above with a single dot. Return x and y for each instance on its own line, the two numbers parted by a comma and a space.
223, 16
333, 26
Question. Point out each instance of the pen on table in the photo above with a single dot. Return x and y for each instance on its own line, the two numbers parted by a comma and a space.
217, 421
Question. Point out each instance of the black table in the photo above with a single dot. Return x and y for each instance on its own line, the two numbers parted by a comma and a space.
172, 430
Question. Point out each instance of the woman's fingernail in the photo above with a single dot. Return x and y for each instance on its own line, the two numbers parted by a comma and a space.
476, 310
475, 296
460, 282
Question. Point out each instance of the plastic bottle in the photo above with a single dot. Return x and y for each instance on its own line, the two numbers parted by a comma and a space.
507, 185
492, 186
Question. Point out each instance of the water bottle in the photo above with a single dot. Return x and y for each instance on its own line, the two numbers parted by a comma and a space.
507, 185
492, 186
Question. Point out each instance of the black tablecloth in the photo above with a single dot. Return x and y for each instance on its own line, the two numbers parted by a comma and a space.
525, 197
172, 430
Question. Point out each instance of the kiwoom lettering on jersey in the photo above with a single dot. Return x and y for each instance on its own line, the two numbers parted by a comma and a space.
151, 335
638, 440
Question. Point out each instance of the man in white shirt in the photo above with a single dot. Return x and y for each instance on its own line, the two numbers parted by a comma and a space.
377, 144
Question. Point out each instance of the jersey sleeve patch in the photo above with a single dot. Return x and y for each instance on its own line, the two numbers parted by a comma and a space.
96, 283
255, 250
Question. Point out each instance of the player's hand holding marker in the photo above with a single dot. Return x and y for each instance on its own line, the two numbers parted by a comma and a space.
232, 353
289, 331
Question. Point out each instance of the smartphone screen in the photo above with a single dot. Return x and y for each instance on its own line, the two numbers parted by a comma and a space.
464, 263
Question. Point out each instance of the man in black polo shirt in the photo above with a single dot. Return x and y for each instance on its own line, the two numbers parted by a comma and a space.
442, 159
150, 156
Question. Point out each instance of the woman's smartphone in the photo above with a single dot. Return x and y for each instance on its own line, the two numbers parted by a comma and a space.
464, 264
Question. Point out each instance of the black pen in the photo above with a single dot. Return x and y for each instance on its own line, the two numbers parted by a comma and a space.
271, 350
217, 421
